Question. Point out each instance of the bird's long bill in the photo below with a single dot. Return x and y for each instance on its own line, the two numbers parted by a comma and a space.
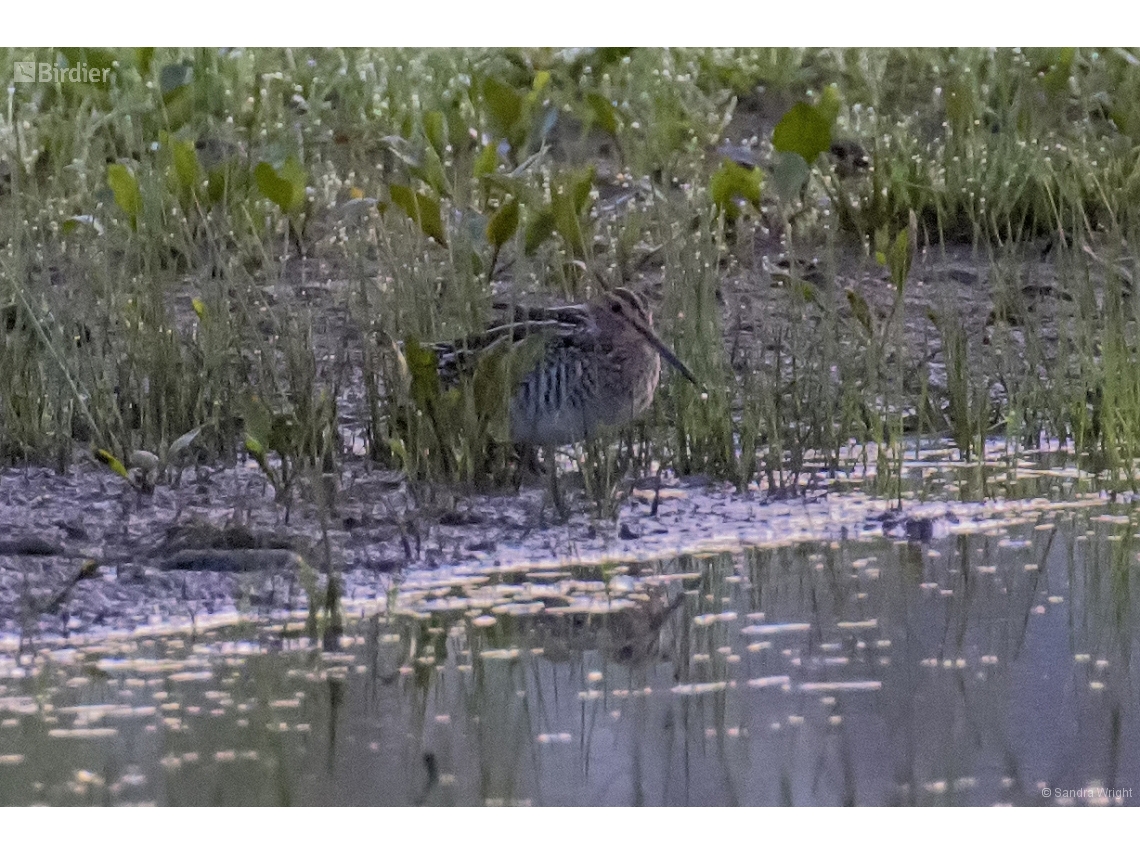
669, 355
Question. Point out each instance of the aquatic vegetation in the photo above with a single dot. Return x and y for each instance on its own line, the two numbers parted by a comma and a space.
821, 233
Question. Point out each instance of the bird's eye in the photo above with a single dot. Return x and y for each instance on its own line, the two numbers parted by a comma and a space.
616, 306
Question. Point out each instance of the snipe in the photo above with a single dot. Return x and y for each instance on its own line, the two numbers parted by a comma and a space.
595, 368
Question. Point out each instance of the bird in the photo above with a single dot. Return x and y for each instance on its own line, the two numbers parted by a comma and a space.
589, 368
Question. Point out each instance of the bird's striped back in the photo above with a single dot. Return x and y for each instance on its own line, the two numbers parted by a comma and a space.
580, 369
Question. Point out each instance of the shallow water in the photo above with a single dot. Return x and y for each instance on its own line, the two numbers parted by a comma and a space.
992, 663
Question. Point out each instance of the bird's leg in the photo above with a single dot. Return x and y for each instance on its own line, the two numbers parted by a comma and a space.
527, 463
555, 495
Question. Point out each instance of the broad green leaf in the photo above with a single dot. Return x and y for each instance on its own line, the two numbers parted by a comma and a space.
179, 107
217, 184
504, 104
434, 175
285, 187
540, 227
805, 130
599, 59
731, 182
186, 168
603, 114
126, 189
199, 308
491, 390
568, 222
525, 356
902, 252
408, 125
293, 172
498, 373
258, 421
435, 129
790, 175
960, 107
422, 210
399, 451
900, 259
487, 160
581, 184
143, 59
256, 450
541, 81
1056, 79
881, 243
861, 310
272, 186
507, 185
829, 103
93, 58
455, 122
1124, 121
112, 462
503, 223
423, 369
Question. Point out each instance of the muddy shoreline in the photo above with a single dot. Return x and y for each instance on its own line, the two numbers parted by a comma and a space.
85, 553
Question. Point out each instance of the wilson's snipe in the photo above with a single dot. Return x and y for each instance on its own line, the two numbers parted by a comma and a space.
596, 367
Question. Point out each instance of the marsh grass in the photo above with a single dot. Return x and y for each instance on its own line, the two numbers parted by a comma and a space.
149, 223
